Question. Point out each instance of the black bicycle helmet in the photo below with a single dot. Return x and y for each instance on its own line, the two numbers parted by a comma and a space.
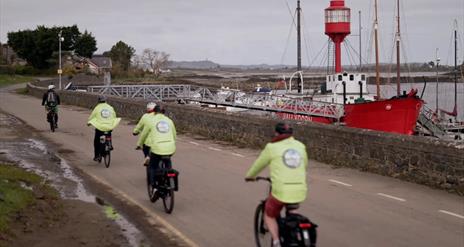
101, 99
283, 128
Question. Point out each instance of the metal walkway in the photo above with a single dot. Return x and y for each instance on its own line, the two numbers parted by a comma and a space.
425, 120
224, 97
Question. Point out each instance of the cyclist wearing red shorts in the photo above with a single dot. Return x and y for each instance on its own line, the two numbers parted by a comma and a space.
287, 160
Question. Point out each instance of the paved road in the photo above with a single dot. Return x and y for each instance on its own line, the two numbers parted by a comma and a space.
215, 207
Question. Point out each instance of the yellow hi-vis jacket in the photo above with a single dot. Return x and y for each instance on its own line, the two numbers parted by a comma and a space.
161, 135
103, 117
142, 127
287, 160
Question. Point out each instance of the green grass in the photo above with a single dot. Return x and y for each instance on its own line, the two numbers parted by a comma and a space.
23, 90
6, 80
13, 197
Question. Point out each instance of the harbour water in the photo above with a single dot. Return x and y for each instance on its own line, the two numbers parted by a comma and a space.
445, 95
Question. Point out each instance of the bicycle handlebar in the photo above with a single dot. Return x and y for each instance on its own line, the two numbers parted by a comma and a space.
263, 178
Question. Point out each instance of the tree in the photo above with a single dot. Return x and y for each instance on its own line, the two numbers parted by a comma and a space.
37, 46
155, 60
24, 44
86, 45
121, 54
136, 61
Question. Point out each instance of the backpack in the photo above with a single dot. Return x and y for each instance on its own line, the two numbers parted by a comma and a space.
51, 99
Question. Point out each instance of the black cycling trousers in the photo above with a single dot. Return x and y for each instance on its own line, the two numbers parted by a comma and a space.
154, 167
146, 150
96, 142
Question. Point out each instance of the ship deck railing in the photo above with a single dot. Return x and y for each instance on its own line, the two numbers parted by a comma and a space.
232, 98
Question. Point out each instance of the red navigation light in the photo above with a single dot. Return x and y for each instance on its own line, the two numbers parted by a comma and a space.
171, 175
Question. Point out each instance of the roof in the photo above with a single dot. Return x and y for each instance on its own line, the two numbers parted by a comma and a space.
101, 61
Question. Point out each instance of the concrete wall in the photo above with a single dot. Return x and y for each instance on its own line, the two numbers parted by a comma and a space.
421, 160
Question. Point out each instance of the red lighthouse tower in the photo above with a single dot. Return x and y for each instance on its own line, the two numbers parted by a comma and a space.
337, 27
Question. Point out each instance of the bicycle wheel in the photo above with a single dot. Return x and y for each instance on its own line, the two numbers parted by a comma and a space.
262, 235
107, 159
52, 126
51, 118
168, 200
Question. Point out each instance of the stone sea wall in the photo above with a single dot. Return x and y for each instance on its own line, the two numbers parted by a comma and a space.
431, 162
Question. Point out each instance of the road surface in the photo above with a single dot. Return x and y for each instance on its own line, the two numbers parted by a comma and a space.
215, 207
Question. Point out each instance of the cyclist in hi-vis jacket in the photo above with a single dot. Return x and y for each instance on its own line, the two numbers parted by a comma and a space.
287, 160
142, 129
104, 119
161, 138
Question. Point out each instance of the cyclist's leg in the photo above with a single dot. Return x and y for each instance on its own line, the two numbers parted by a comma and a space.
47, 110
153, 168
96, 143
146, 150
271, 212
167, 162
55, 109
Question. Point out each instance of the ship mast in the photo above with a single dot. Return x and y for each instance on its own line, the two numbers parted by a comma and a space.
298, 10
398, 66
360, 42
376, 41
455, 69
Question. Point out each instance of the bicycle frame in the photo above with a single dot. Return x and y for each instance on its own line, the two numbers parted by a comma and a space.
105, 143
51, 118
302, 231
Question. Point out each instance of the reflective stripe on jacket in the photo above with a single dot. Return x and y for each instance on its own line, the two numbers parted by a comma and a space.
287, 160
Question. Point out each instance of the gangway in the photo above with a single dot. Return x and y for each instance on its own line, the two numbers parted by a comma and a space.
426, 120
225, 97
156, 92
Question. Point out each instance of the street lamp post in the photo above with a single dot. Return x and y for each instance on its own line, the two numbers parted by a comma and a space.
60, 71
437, 60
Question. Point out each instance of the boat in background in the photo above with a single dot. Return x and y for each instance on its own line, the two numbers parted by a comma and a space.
361, 109
450, 124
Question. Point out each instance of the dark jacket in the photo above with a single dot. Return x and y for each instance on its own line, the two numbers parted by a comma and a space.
45, 97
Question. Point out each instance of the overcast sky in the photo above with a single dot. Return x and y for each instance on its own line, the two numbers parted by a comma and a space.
240, 31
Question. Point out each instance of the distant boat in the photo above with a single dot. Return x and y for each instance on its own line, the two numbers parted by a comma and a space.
259, 89
451, 125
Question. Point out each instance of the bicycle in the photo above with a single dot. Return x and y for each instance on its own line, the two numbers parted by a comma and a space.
105, 148
295, 230
167, 184
51, 118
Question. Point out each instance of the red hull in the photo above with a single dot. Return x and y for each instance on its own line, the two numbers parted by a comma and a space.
398, 115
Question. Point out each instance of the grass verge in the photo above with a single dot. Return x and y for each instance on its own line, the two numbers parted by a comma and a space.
6, 80
18, 190
23, 90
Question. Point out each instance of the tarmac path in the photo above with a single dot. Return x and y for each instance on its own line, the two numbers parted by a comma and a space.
215, 207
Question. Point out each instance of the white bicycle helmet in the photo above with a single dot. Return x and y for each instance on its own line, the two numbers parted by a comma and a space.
151, 106
51, 87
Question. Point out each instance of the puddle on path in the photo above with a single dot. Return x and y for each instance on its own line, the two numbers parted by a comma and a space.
34, 155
